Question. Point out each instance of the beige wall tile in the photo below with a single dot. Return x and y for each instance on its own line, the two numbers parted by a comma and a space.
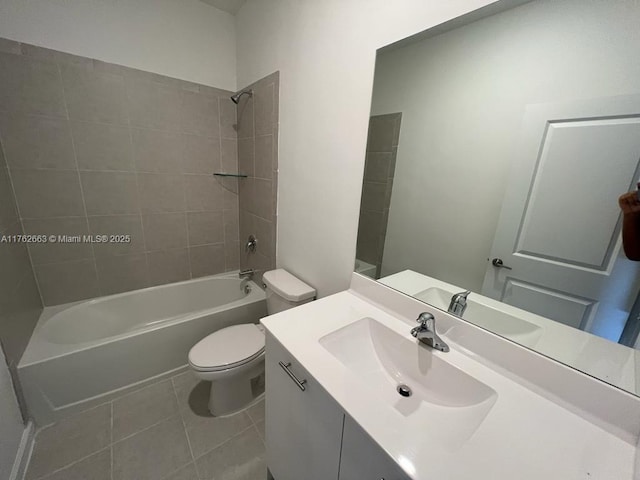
264, 157
8, 212
203, 192
264, 109
200, 154
206, 227
59, 251
229, 155
157, 151
9, 46
167, 266
165, 230
228, 127
31, 141
48, 193
246, 156
207, 260
160, 193
30, 86
245, 117
67, 282
153, 105
118, 225
110, 193
122, 273
94, 96
101, 146
199, 114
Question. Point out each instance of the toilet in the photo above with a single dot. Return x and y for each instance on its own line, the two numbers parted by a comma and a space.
232, 358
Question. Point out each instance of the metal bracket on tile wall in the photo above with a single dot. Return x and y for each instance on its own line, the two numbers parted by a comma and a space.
252, 244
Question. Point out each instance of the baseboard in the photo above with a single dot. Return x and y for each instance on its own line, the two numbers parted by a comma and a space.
24, 452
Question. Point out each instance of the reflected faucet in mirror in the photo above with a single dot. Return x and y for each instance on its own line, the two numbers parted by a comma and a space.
459, 303
535, 145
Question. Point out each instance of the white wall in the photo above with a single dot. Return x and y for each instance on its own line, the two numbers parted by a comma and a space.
462, 96
11, 426
325, 52
185, 39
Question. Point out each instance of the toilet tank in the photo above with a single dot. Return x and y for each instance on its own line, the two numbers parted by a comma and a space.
285, 291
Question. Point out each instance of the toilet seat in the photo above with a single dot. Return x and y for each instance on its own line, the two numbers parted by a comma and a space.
228, 348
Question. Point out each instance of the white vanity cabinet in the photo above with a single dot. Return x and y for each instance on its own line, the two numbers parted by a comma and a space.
303, 428
363, 459
308, 435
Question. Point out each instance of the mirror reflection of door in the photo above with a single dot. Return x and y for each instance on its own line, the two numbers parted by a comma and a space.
558, 237
570, 70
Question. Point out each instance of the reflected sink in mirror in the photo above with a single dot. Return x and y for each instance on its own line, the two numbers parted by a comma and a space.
384, 359
499, 322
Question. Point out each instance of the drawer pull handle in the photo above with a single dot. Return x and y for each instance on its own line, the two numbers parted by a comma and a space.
299, 383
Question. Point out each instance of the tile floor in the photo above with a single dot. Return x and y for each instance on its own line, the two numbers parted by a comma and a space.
161, 432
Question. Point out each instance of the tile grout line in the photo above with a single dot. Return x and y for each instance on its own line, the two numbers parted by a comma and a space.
136, 173
229, 439
19, 219
77, 170
69, 465
184, 425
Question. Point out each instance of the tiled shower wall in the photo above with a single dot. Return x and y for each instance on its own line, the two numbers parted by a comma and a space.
379, 169
20, 304
95, 148
258, 158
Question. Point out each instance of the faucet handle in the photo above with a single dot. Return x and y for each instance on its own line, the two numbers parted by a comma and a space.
425, 318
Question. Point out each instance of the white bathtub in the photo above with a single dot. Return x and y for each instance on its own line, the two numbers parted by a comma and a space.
85, 353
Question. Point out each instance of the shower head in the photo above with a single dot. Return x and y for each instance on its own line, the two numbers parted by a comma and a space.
236, 98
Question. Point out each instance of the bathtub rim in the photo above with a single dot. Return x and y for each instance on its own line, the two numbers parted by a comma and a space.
40, 350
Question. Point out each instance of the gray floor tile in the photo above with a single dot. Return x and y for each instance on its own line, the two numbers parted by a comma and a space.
70, 440
95, 467
143, 408
152, 453
192, 392
207, 432
256, 411
241, 458
185, 473
261, 430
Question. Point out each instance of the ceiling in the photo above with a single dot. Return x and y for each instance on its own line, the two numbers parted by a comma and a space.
231, 6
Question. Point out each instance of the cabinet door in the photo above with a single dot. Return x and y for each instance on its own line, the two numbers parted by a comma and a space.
363, 459
303, 428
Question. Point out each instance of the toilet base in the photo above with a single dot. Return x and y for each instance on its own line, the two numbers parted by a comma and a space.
234, 393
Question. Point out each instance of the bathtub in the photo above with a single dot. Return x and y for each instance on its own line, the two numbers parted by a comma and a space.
86, 353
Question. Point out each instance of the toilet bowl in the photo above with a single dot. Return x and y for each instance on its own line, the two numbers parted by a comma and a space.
232, 358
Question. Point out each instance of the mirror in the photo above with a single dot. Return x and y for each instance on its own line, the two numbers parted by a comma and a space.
496, 154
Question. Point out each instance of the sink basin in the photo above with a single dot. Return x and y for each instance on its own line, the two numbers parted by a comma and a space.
444, 402
499, 322
385, 360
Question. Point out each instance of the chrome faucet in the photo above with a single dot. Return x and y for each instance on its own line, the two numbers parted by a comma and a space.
426, 332
459, 303
248, 273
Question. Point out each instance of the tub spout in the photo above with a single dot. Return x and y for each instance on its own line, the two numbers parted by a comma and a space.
248, 273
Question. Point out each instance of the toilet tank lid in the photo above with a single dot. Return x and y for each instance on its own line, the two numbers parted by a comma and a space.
288, 286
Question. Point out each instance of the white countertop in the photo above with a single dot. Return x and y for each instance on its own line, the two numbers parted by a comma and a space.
525, 435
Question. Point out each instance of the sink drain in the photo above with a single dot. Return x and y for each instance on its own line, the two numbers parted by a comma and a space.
404, 390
